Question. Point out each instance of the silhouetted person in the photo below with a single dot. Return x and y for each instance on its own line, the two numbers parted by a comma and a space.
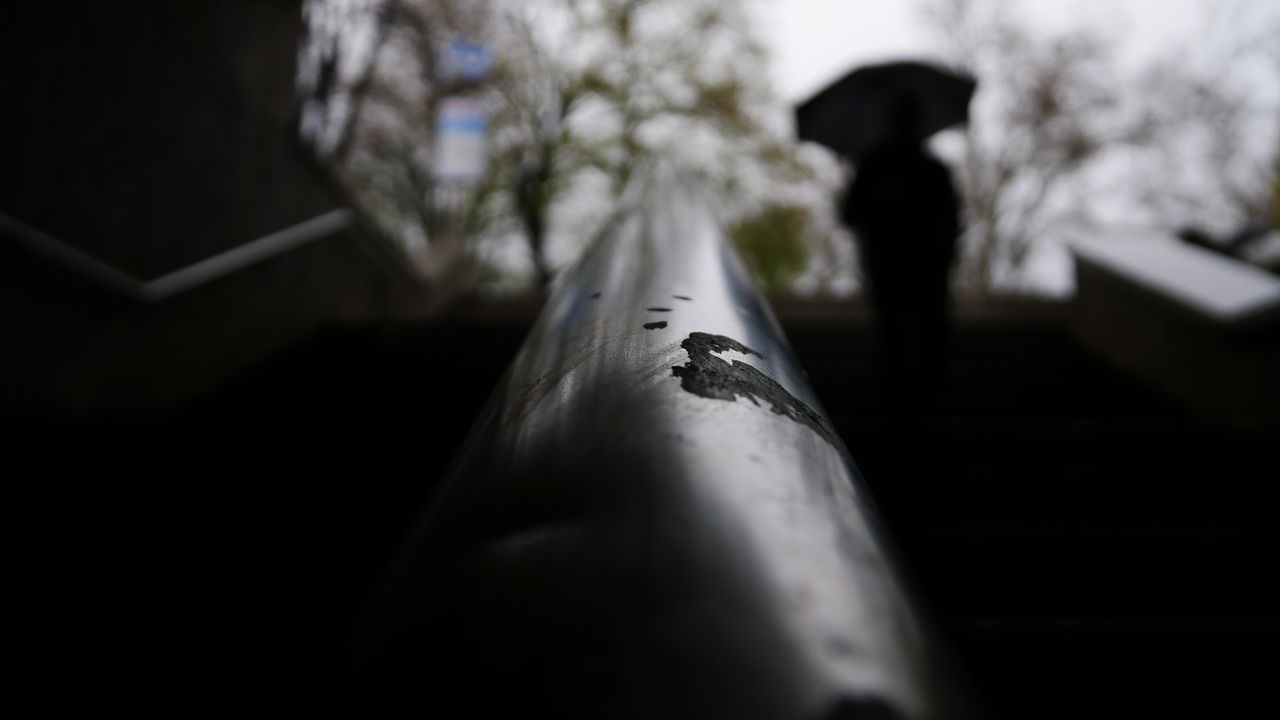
903, 208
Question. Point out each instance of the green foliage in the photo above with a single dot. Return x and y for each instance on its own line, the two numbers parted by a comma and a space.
725, 103
1275, 201
773, 242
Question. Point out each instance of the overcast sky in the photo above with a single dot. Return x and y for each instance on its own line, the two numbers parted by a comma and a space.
815, 41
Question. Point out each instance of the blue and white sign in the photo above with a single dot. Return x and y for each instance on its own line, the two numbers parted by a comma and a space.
463, 61
461, 152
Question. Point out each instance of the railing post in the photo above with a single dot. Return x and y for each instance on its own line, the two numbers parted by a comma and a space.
653, 518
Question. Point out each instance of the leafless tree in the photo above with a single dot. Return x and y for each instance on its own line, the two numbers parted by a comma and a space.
1046, 111
1063, 138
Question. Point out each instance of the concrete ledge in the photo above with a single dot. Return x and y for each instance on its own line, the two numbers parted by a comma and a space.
1211, 288
1200, 328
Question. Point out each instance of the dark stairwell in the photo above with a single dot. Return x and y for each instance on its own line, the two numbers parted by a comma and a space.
1089, 549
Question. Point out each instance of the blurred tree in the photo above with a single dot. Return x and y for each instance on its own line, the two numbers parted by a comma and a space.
597, 88
371, 95
1275, 199
1063, 138
773, 243
335, 68
1213, 166
584, 92
1047, 108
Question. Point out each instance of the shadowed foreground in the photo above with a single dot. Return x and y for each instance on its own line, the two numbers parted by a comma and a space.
1090, 550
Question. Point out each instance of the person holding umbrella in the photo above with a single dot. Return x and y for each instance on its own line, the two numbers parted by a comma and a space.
903, 209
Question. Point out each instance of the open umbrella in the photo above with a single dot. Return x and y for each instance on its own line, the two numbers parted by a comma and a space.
857, 112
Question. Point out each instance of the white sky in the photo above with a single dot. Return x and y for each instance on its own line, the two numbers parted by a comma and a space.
815, 41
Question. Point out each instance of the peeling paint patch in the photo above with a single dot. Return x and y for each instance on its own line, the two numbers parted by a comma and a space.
713, 377
655, 325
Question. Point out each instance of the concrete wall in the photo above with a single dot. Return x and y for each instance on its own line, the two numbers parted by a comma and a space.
152, 135
1224, 374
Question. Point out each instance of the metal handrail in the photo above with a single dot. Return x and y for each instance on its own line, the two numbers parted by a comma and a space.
112, 279
653, 517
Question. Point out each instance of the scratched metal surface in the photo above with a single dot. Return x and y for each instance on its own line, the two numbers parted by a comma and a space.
613, 543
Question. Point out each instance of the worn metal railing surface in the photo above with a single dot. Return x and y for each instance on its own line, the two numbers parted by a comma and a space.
653, 518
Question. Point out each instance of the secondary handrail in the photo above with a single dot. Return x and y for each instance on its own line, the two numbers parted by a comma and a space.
116, 281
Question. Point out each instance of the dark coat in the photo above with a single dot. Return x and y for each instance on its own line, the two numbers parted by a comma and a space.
903, 207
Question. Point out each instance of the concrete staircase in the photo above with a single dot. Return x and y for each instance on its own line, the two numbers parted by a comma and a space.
1092, 551
1089, 550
